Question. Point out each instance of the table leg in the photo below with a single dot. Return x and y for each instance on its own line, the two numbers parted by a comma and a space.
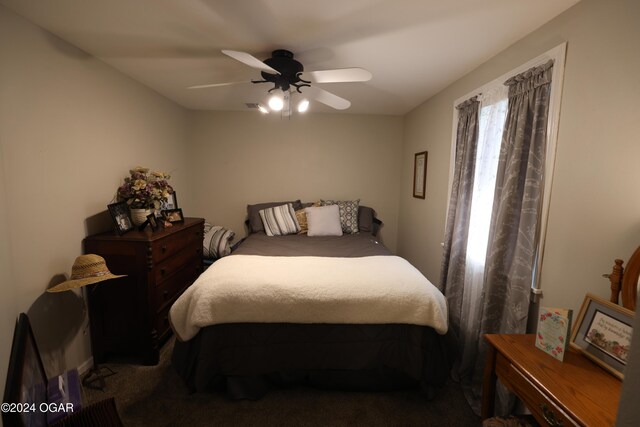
489, 384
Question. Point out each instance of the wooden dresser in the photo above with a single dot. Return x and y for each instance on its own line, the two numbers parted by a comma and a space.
573, 392
129, 316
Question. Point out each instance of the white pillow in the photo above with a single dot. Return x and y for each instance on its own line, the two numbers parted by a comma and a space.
323, 221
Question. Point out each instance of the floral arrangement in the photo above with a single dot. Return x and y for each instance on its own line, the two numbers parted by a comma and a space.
145, 189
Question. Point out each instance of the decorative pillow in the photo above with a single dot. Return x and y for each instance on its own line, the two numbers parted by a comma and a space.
323, 221
253, 212
301, 216
279, 220
216, 241
348, 213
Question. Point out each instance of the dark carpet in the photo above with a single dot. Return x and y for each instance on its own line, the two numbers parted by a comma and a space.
156, 396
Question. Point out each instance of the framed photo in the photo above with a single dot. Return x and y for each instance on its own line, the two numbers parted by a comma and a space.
603, 333
420, 175
121, 217
153, 222
173, 215
170, 203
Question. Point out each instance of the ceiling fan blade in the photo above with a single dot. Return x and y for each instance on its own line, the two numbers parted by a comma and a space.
327, 98
250, 60
342, 75
217, 84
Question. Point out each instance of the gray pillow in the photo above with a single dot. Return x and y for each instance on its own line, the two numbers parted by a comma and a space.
253, 213
365, 219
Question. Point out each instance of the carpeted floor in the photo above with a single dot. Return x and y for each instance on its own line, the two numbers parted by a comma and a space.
155, 396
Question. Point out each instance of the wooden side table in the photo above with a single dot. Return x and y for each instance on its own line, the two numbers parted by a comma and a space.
573, 392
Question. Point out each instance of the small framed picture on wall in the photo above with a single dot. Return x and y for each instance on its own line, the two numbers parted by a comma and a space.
420, 175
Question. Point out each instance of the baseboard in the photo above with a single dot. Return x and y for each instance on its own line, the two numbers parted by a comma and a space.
85, 366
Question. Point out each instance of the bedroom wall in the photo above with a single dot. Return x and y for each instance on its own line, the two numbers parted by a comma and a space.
240, 158
595, 212
70, 129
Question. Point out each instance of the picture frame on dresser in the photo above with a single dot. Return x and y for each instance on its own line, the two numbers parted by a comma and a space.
174, 216
153, 222
121, 217
603, 333
170, 203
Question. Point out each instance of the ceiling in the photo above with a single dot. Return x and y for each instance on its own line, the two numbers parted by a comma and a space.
413, 48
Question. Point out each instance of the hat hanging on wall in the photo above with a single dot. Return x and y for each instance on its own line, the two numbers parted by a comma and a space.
86, 270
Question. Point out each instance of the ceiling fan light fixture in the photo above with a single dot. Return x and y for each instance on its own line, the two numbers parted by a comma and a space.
303, 105
276, 102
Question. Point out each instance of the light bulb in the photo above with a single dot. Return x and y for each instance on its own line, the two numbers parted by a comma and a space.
263, 109
303, 106
276, 103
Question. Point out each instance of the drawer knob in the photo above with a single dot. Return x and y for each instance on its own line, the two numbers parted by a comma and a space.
164, 248
162, 271
165, 294
549, 416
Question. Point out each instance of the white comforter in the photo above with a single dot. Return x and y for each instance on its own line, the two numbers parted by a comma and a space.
263, 289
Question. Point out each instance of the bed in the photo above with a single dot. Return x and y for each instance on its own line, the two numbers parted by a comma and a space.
249, 321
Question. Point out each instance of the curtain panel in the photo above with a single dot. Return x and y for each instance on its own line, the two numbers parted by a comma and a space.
515, 221
457, 229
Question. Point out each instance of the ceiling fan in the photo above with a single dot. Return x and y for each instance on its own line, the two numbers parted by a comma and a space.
287, 74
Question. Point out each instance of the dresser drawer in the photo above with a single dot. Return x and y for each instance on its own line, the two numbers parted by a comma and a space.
172, 287
546, 412
167, 268
170, 245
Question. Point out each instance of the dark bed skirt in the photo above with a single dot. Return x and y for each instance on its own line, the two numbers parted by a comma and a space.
245, 359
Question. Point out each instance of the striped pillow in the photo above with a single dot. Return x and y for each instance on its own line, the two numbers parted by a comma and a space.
279, 220
216, 241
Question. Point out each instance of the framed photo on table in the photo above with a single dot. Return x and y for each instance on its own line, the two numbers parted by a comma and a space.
170, 203
603, 333
153, 222
173, 216
121, 217
420, 175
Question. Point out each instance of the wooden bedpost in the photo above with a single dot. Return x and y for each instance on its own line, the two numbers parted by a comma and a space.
616, 280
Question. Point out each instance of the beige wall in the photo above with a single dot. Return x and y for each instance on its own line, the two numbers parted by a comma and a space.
595, 211
70, 129
240, 158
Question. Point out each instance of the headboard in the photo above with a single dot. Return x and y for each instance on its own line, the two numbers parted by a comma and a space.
624, 281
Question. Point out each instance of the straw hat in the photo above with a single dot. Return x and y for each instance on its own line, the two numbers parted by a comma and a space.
86, 270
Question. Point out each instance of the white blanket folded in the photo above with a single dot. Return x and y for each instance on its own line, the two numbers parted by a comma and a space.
262, 289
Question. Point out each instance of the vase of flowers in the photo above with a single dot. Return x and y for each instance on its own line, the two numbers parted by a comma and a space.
144, 191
